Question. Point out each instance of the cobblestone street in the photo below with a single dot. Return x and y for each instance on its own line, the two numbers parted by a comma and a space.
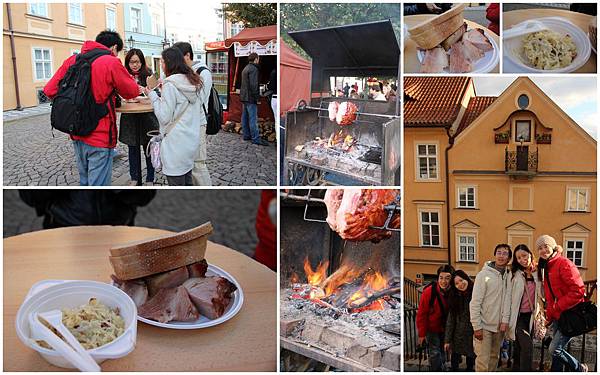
232, 213
33, 157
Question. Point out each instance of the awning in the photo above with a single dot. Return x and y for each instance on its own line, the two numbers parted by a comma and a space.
218, 46
364, 49
295, 78
262, 35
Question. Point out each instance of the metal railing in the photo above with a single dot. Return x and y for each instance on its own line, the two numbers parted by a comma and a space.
515, 163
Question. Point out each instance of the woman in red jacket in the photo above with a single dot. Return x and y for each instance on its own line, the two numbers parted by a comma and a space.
563, 289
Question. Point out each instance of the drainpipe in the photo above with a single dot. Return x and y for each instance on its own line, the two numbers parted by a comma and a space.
13, 56
450, 145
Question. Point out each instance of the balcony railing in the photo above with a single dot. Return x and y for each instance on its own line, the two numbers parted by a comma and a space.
521, 162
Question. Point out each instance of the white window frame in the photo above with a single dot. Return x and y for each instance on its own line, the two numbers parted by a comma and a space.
460, 188
583, 249
458, 246
114, 12
418, 165
42, 61
156, 30
132, 11
430, 223
576, 189
37, 6
70, 11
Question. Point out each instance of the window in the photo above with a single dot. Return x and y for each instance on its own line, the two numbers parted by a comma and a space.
575, 251
466, 248
577, 199
427, 161
466, 196
76, 13
41, 97
523, 131
42, 63
523, 101
430, 228
156, 30
111, 19
38, 9
136, 20
236, 28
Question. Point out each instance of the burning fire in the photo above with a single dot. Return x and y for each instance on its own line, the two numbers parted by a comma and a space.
349, 287
337, 140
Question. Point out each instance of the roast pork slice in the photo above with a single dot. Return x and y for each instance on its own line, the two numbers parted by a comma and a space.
168, 305
435, 60
333, 198
197, 269
136, 289
463, 55
454, 37
211, 295
169, 279
479, 40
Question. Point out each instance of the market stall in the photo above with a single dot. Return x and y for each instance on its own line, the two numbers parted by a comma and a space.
295, 74
216, 61
263, 41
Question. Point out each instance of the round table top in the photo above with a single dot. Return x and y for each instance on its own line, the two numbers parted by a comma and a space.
581, 20
411, 61
247, 342
135, 107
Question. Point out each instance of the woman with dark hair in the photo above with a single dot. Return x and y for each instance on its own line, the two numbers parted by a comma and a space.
458, 337
134, 127
526, 307
179, 112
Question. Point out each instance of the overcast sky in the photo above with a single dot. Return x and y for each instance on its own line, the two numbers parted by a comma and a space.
199, 16
576, 95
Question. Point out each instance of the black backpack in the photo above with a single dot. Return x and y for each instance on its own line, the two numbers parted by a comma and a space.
214, 115
74, 108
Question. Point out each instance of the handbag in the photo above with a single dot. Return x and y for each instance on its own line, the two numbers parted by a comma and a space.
539, 320
156, 138
577, 320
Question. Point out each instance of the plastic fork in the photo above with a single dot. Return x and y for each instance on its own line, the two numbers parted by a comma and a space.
524, 28
71, 350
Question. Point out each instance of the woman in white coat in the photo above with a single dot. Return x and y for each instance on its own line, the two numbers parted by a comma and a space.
178, 110
526, 304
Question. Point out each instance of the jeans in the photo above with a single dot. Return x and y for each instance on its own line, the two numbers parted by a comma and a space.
455, 361
435, 352
249, 125
135, 164
523, 349
561, 359
94, 164
183, 180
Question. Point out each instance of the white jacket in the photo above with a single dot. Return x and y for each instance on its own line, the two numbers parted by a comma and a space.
179, 147
207, 83
517, 291
490, 303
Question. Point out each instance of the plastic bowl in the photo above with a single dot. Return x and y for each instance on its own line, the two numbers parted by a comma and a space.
512, 47
59, 294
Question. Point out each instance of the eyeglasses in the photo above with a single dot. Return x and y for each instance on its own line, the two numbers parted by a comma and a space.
505, 253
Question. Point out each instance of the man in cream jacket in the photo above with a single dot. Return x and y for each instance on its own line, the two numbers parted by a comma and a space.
490, 308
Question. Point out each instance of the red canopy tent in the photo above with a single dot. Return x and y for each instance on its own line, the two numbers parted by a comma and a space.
295, 79
262, 40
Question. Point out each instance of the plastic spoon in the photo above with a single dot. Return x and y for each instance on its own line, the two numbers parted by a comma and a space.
524, 28
73, 351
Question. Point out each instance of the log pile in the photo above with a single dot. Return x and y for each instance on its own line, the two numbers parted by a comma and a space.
266, 128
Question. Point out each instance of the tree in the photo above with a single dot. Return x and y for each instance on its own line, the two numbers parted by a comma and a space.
305, 16
251, 14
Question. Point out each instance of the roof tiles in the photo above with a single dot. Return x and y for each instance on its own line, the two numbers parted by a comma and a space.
476, 106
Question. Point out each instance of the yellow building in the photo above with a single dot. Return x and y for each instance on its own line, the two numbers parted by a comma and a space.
38, 37
480, 171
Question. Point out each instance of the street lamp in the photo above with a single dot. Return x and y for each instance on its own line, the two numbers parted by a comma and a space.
131, 42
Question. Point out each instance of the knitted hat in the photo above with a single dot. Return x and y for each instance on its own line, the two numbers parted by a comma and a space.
545, 240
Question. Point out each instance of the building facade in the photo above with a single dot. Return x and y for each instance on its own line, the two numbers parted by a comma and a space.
487, 170
38, 37
145, 30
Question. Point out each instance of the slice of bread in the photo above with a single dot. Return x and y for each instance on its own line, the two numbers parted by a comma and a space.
437, 34
164, 253
438, 20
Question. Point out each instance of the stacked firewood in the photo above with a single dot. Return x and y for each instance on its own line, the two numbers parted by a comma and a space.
266, 128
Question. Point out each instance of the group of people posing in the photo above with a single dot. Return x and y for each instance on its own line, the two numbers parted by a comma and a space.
514, 297
179, 103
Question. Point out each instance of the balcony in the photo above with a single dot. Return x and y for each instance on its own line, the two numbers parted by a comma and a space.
521, 163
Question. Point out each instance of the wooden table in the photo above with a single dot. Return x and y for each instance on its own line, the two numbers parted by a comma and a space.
581, 20
136, 108
247, 342
411, 61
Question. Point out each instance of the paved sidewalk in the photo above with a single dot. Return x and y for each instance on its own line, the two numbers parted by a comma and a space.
32, 156
15, 115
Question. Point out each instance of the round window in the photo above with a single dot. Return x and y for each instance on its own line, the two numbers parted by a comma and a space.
523, 101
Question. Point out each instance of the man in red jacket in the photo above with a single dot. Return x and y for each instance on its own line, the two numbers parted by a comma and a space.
563, 289
94, 151
431, 316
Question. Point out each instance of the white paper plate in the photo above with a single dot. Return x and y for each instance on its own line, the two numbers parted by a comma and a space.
484, 65
234, 307
512, 63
